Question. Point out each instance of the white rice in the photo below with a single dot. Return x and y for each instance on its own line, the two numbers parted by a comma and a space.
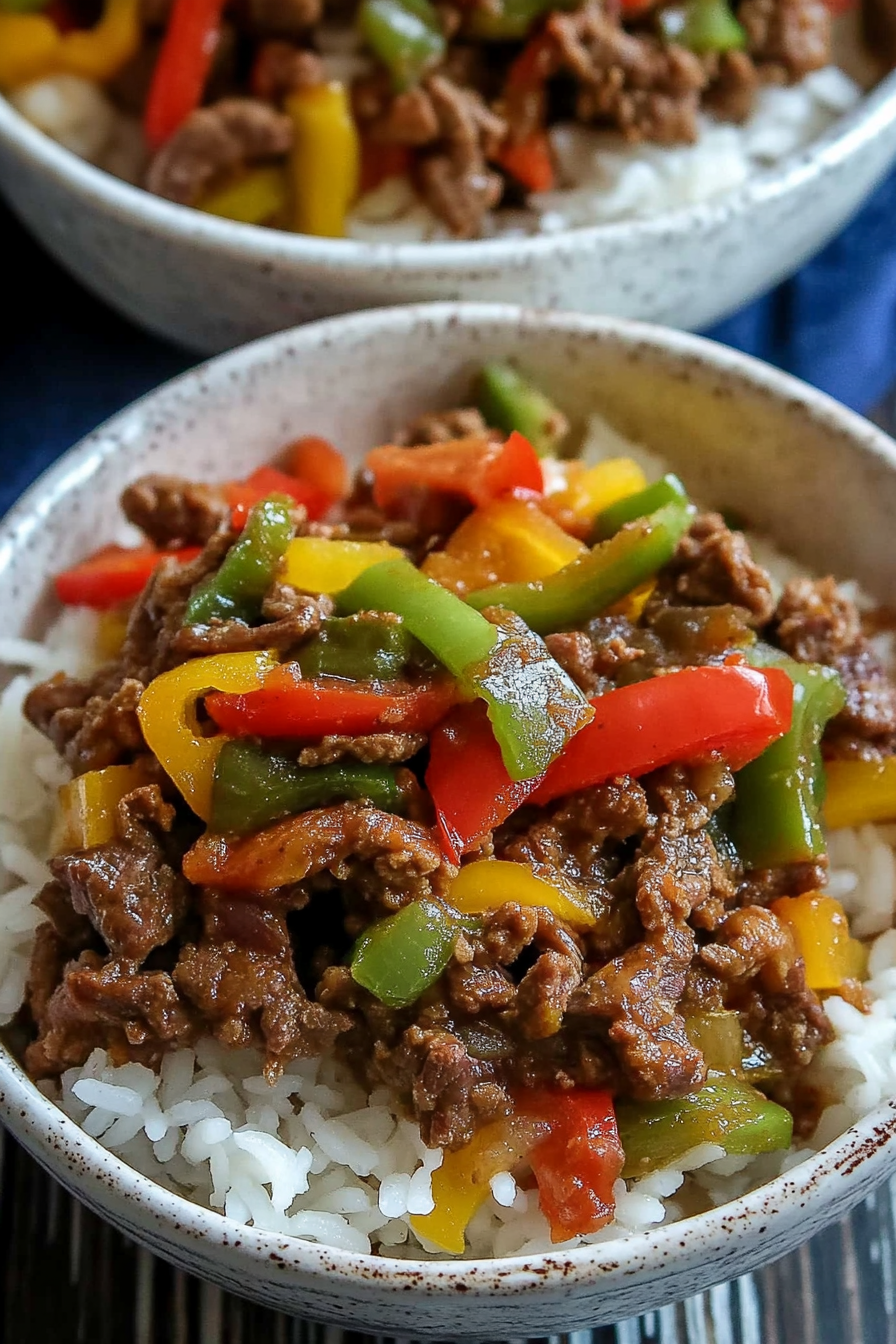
313, 1156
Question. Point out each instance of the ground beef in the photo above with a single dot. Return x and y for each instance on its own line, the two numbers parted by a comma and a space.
89, 727
645, 88
283, 18
300, 616
173, 512
734, 81
442, 426
130, 888
713, 565
761, 886
816, 623
374, 749
879, 29
214, 142
280, 68
787, 37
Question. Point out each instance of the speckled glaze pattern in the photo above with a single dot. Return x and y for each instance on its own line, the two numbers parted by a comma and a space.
212, 284
818, 478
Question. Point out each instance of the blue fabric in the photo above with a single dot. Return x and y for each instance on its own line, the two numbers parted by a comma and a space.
67, 362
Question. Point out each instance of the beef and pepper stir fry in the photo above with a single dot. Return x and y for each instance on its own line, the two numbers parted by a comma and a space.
283, 112
511, 798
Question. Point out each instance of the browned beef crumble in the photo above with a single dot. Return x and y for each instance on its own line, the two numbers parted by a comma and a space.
214, 142
172, 512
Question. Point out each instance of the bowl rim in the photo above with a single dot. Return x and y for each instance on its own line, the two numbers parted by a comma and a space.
870, 117
60, 1143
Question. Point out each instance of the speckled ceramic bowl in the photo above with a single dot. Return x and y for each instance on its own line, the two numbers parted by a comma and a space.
814, 476
211, 284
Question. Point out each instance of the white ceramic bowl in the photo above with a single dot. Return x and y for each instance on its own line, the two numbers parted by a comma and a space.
212, 284
816, 477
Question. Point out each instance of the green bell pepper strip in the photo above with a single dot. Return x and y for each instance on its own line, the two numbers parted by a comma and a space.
400, 956
597, 579
667, 491
359, 648
404, 35
509, 21
534, 706
251, 788
237, 590
508, 402
709, 25
726, 1111
778, 798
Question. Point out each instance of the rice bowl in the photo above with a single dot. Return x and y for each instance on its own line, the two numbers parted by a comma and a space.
125, 1108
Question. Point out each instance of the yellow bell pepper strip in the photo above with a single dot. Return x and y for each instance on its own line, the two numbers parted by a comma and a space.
112, 626
719, 1036
252, 199
318, 565
859, 792
32, 47
507, 541
461, 1184
821, 929
725, 1111
399, 957
168, 717
87, 804
534, 707
237, 589
590, 490
325, 162
488, 883
509, 402
281, 854
596, 579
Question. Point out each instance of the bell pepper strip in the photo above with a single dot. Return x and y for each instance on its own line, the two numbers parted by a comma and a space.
87, 805
170, 724
288, 705
776, 818
23, 6
319, 565
719, 1037
115, 574
461, 1184
112, 627
359, 648
597, 579
488, 883
669, 490
317, 462
242, 496
684, 716
476, 468
508, 20
859, 792
399, 957
405, 35
578, 1163
533, 705
29, 49
183, 66
510, 402
468, 781
252, 199
580, 493
379, 163
277, 856
325, 160
529, 160
32, 46
237, 589
821, 929
507, 541
251, 788
725, 1111
709, 25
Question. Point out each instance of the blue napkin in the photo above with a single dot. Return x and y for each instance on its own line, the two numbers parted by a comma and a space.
67, 362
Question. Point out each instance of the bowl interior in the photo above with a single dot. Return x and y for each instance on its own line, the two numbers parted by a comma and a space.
819, 480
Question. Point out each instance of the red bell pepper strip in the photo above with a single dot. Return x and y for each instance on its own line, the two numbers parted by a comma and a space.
115, 574
478, 469
182, 68
529, 162
684, 716
380, 162
314, 461
579, 1162
468, 782
289, 706
243, 495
